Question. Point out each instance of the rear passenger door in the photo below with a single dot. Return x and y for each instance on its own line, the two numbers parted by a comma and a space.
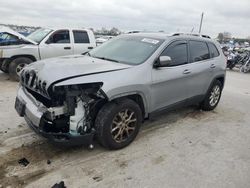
81, 41
200, 71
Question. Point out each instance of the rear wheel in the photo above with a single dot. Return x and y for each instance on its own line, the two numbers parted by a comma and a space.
213, 96
16, 67
118, 123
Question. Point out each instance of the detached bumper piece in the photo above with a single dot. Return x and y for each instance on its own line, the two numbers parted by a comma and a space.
64, 139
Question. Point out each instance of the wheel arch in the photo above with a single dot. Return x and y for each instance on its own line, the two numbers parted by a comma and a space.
137, 98
220, 78
24, 55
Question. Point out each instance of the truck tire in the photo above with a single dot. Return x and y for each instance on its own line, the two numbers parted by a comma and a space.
17, 65
212, 97
1, 62
118, 123
5, 65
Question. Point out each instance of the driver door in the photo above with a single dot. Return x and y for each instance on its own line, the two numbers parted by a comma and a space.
170, 84
58, 44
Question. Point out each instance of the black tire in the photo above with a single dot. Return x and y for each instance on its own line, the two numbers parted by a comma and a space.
14, 67
231, 65
5, 65
207, 105
105, 121
1, 62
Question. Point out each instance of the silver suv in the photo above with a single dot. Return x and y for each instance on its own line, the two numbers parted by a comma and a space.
108, 92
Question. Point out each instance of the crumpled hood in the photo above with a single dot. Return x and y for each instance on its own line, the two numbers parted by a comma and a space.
63, 68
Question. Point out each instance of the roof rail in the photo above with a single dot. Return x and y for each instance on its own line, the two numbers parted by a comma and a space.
196, 35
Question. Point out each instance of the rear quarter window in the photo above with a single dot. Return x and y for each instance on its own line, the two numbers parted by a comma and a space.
214, 52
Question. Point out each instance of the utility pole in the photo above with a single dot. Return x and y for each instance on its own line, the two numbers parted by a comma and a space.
201, 22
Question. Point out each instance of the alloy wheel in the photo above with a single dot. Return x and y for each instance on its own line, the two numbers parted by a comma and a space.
123, 125
215, 95
19, 68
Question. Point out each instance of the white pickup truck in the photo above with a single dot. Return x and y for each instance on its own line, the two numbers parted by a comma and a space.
16, 50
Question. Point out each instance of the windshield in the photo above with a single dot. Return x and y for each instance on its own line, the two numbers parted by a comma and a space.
131, 50
39, 35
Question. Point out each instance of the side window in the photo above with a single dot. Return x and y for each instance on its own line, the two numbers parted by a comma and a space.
81, 37
60, 37
198, 51
178, 53
213, 50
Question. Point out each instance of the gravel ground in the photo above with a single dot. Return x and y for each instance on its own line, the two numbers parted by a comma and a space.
183, 148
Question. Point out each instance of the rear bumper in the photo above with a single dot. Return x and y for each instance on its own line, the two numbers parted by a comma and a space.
33, 115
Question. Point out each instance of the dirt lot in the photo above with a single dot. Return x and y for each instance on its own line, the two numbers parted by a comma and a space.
184, 148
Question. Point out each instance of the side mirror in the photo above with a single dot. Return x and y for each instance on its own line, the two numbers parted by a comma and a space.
163, 61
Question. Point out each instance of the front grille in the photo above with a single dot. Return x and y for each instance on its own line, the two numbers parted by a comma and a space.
30, 80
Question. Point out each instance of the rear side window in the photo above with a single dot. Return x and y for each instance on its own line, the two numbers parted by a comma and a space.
198, 51
213, 50
81, 37
178, 53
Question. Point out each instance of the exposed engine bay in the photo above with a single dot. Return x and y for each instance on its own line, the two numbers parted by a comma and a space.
78, 111
68, 111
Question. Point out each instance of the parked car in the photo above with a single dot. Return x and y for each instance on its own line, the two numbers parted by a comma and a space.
9, 37
42, 44
111, 90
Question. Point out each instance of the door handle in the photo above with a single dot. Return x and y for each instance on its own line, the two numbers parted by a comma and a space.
67, 48
186, 71
212, 66
90, 47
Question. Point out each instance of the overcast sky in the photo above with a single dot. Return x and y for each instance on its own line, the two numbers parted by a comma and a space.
153, 15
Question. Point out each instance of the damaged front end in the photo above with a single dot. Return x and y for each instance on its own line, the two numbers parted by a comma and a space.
63, 114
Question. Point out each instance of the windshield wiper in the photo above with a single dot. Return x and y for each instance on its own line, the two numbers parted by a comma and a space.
105, 58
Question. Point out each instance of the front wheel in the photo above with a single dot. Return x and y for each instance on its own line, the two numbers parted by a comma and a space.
212, 97
118, 123
17, 65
